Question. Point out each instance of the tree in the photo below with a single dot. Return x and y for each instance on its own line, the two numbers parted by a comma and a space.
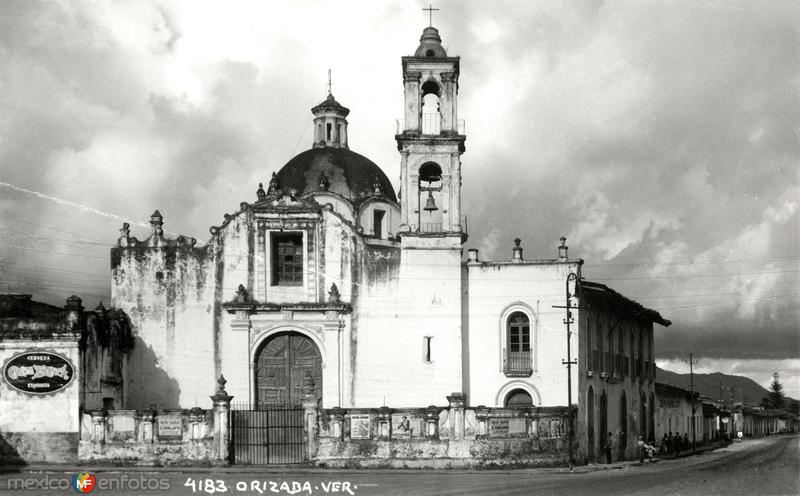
775, 398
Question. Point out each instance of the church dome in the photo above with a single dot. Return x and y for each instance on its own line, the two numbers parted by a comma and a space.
338, 170
430, 44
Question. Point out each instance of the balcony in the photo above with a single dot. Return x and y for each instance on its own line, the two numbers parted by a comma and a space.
436, 227
518, 364
431, 125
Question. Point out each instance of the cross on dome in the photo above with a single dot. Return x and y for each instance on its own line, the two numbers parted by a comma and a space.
430, 10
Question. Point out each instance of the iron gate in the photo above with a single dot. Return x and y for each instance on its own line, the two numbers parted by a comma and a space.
268, 435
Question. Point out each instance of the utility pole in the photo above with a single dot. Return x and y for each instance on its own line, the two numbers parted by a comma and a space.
571, 291
691, 386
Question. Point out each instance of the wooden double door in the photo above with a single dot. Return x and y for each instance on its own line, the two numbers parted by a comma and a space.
283, 365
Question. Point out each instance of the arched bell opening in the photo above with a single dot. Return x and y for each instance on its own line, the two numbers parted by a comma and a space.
430, 197
431, 112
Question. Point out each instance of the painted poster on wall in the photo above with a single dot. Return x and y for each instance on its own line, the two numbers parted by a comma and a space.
38, 372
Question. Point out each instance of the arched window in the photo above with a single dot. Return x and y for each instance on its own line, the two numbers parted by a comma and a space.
620, 351
601, 347
518, 345
632, 351
640, 357
518, 398
651, 367
591, 350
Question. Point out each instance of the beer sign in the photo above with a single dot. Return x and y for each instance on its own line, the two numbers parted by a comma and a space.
39, 372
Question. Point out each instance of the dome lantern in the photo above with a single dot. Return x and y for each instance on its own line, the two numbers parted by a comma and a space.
330, 124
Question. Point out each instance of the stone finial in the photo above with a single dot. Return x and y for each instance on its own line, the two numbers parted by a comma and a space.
74, 308
333, 294
74, 302
124, 234
157, 223
562, 249
377, 188
272, 189
242, 296
324, 182
517, 250
260, 194
221, 386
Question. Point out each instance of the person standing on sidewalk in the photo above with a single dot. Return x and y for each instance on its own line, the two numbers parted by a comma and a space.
609, 446
640, 444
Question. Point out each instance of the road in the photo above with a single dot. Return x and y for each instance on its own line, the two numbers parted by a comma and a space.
754, 467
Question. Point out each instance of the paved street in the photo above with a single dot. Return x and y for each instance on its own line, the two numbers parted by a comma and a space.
753, 467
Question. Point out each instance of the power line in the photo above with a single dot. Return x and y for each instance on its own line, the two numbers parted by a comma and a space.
732, 302
710, 262
28, 248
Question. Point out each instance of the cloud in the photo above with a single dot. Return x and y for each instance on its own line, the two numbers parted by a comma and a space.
660, 137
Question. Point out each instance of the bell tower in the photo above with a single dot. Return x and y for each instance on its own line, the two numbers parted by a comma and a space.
430, 139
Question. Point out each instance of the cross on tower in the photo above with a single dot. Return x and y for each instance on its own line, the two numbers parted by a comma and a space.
330, 87
430, 10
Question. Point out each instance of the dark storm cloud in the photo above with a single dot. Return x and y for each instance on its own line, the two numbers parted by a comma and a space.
660, 137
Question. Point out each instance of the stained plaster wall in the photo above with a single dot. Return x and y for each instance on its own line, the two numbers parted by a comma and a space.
613, 382
124, 438
494, 291
674, 411
169, 290
40, 427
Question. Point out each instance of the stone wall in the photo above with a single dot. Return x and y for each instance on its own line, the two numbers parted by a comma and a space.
441, 437
150, 437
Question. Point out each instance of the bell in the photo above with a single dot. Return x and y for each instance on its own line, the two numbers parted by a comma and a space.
430, 205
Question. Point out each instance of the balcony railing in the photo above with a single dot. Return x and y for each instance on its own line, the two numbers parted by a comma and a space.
518, 364
431, 124
435, 227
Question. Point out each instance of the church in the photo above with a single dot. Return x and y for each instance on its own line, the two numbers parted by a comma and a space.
329, 281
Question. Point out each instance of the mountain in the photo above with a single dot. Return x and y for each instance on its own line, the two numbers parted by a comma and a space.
729, 388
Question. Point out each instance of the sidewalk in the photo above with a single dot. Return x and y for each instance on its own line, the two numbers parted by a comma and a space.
308, 468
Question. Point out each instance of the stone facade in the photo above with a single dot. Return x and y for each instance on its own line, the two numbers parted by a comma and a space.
328, 281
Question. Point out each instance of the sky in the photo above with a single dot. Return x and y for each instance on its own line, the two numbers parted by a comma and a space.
661, 138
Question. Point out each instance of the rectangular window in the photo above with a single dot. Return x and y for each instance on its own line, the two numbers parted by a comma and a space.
377, 223
329, 127
287, 259
426, 350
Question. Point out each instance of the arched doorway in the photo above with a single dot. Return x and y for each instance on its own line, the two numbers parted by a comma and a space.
623, 425
603, 417
518, 398
651, 417
283, 364
590, 423
643, 415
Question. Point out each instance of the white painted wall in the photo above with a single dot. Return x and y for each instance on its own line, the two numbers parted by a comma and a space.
493, 290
